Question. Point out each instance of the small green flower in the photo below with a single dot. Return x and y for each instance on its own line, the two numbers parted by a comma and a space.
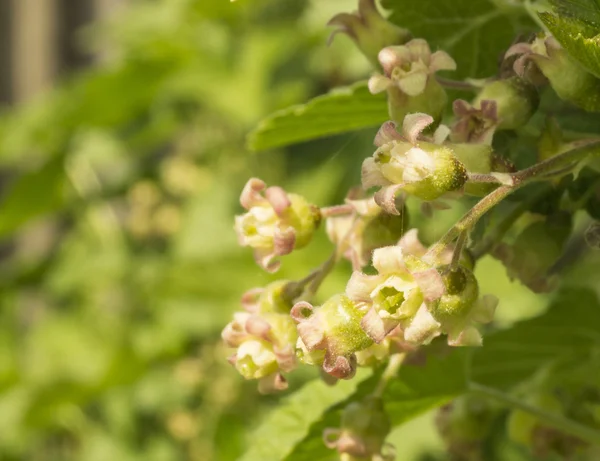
264, 337
422, 167
397, 296
333, 328
409, 78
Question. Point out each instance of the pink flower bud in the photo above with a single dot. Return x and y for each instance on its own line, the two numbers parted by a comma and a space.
275, 224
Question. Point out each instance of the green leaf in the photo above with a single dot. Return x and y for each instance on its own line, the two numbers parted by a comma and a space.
474, 32
33, 195
416, 390
343, 109
289, 423
581, 40
567, 331
587, 11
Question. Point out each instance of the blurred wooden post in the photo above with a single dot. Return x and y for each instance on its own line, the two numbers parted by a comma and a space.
5, 51
33, 54
38, 42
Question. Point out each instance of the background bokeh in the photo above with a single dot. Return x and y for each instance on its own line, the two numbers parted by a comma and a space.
122, 154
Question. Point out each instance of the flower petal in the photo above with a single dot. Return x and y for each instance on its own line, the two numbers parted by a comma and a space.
518, 48
360, 286
250, 195
378, 83
422, 328
393, 56
339, 366
411, 244
301, 311
272, 383
284, 240
371, 174
413, 84
414, 124
419, 49
387, 133
431, 284
440, 60
312, 333
265, 258
278, 199
468, 336
250, 299
441, 134
375, 327
257, 326
389, 260
484, 309
386, 198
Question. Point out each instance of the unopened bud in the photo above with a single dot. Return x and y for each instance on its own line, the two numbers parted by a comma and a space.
568, 78
515, 100
364, 428
369, 30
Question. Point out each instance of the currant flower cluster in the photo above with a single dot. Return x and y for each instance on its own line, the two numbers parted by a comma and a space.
401, 294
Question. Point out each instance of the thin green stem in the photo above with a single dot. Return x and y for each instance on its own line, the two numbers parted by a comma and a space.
488, 243
543, 170
590, 148
456, 84
551, 419
390, 371
458, 249
468, 220
321, 273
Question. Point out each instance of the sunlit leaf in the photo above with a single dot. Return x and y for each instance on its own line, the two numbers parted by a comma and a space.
289, 423
342, 110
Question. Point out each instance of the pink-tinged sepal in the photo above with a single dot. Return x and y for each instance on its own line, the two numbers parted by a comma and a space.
422, 328
250, 195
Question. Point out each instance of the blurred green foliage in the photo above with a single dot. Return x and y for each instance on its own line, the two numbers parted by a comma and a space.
119, 262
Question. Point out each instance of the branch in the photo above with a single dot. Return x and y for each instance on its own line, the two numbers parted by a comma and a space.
551, 419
